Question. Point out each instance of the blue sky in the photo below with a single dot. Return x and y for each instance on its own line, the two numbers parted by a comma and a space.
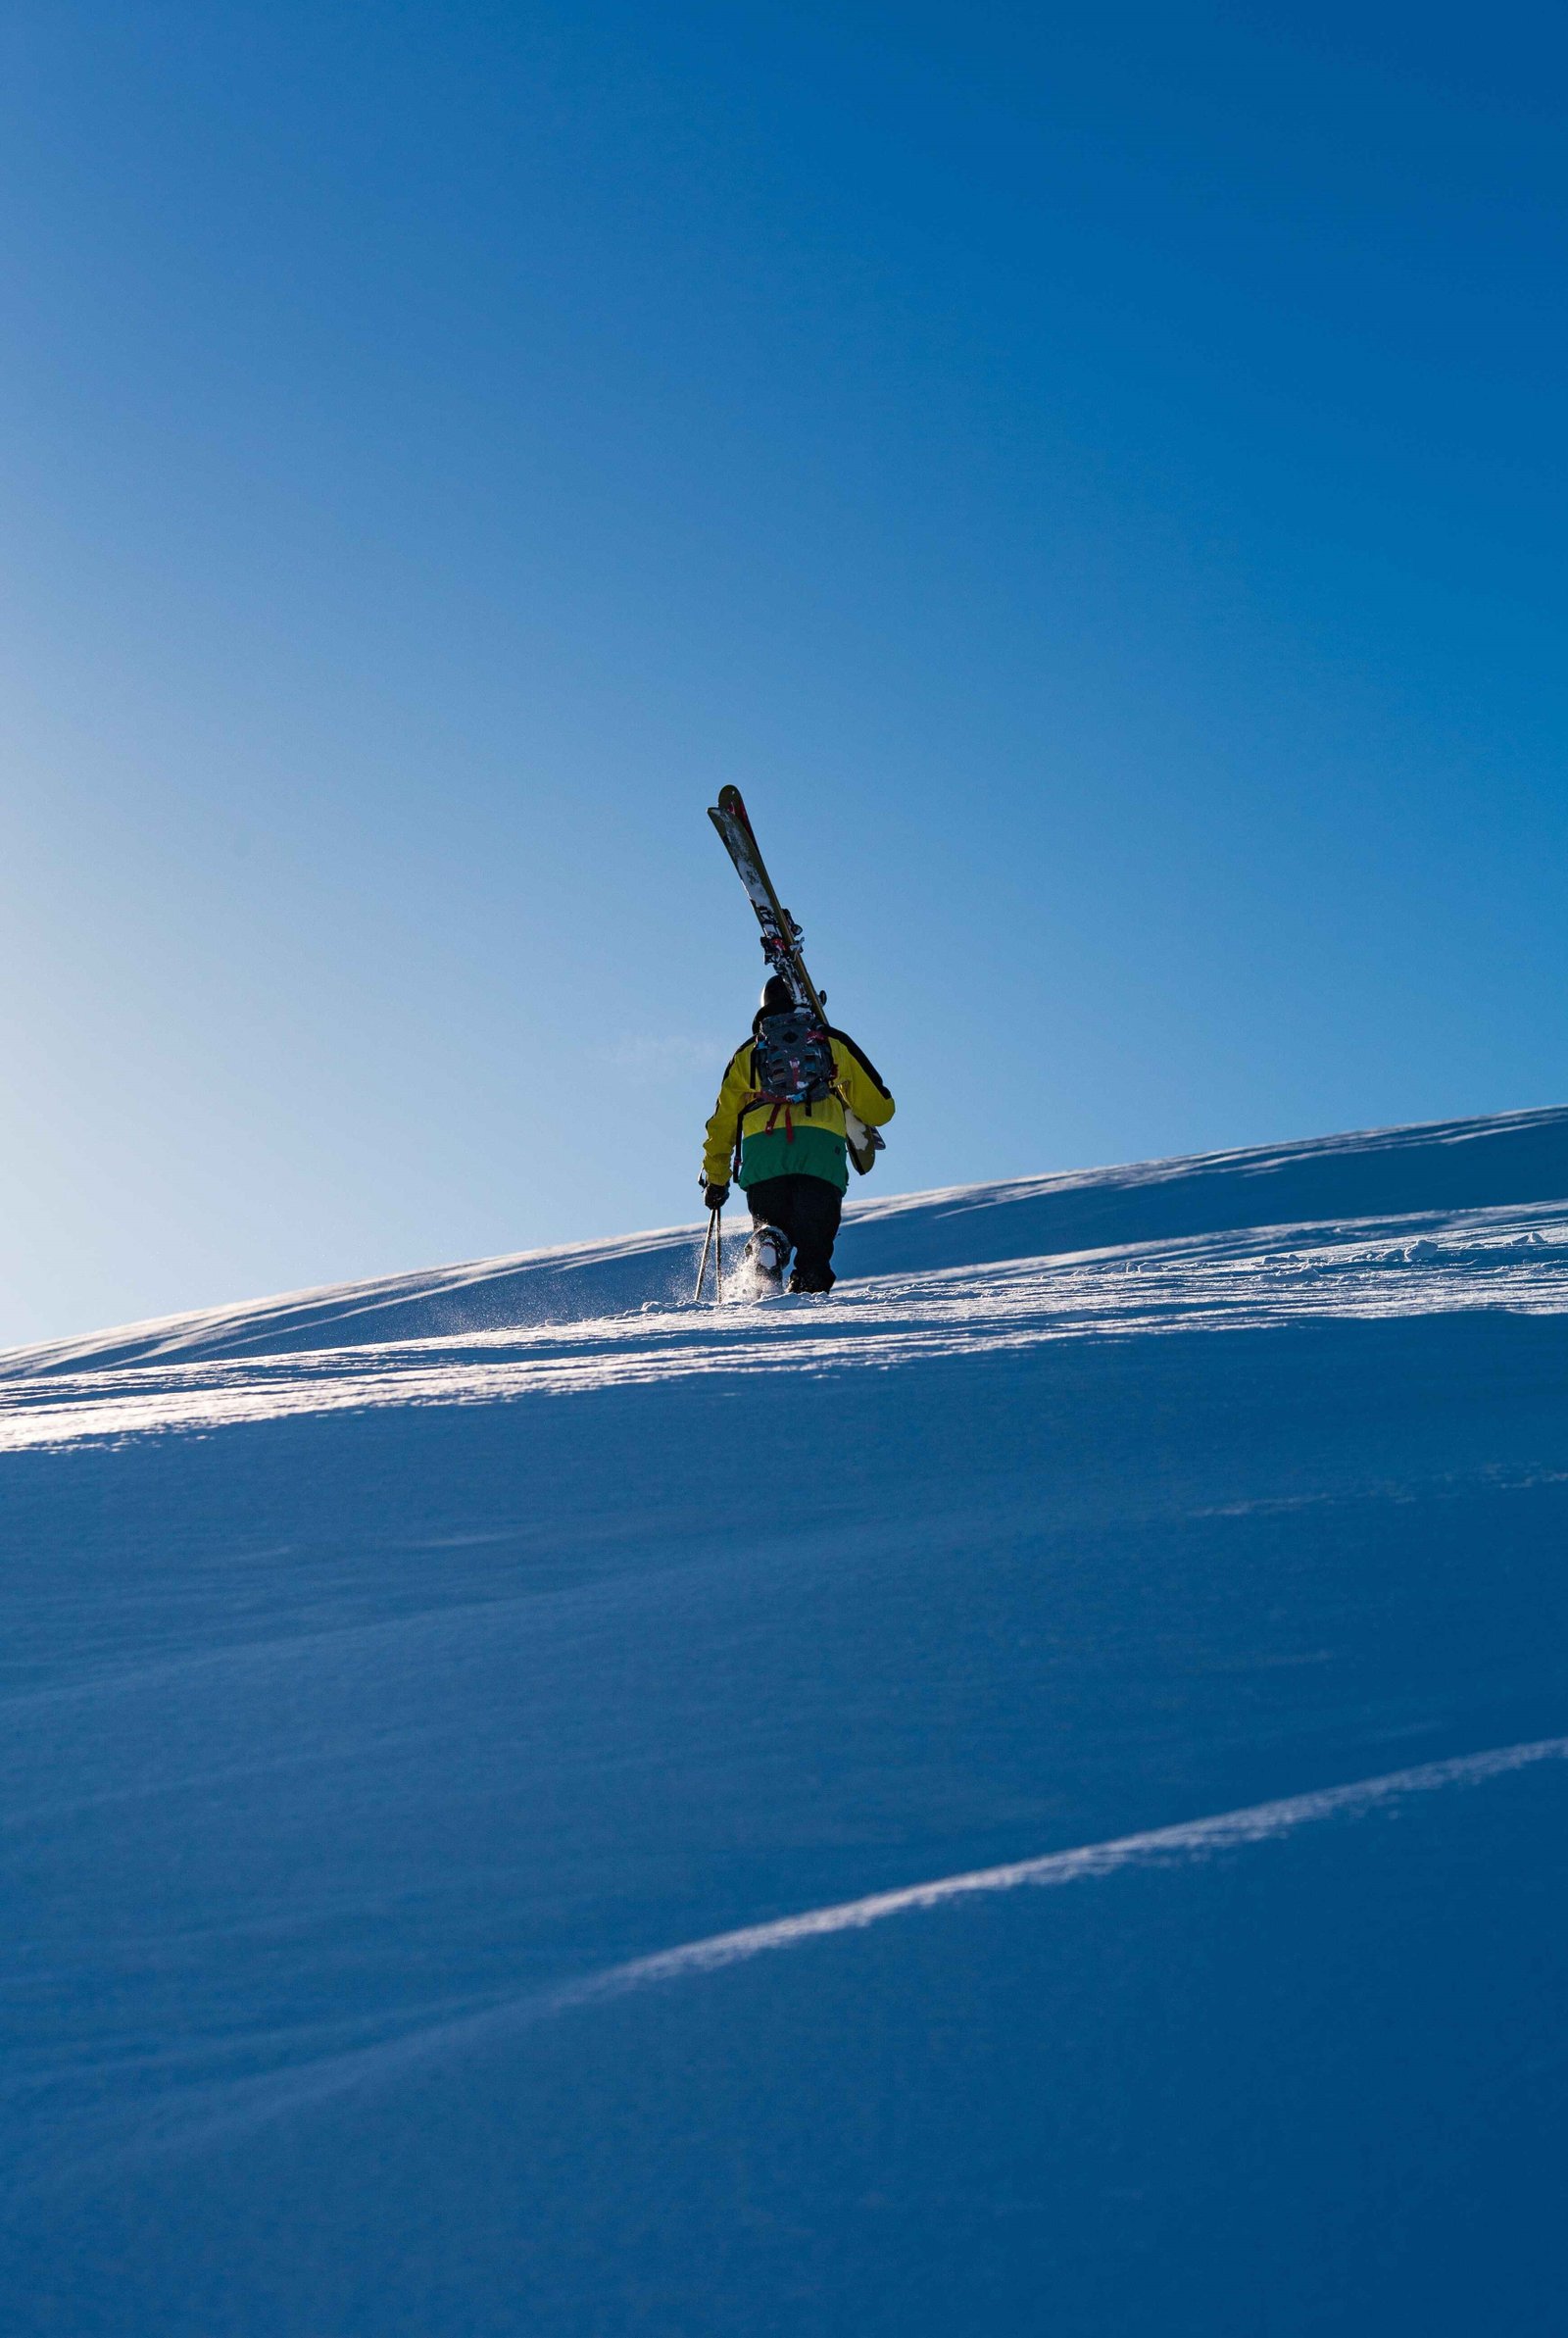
1094, 479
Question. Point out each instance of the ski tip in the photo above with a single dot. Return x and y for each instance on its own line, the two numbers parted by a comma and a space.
729, 801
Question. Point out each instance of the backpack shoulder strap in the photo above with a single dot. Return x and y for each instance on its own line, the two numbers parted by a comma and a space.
865, 1061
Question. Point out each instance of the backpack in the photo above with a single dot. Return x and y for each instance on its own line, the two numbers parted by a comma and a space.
791, 1062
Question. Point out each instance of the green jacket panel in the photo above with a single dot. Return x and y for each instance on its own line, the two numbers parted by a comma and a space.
800, 1152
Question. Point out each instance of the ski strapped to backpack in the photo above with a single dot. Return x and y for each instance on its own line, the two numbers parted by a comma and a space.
793, 1068
781, 936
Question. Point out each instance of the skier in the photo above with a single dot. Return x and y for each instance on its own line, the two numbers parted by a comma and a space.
780, 1128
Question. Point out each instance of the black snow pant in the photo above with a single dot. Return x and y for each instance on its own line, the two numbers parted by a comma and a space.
806, 1211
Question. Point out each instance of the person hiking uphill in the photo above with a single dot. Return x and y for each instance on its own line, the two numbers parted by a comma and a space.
779, 1129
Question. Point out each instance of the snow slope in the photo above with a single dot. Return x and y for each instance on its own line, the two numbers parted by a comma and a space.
1027, 1796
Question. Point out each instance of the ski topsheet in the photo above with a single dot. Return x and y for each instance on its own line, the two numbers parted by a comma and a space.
782, 942
781, 936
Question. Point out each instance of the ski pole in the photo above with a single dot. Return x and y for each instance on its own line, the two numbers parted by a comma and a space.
719, 1255
701, 1264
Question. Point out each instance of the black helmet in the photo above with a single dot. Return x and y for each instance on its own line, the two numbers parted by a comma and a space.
778, 997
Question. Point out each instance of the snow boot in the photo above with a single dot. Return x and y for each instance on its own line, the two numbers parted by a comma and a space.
812, 1282
766, 1254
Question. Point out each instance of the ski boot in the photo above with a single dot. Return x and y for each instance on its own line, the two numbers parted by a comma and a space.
765, 1255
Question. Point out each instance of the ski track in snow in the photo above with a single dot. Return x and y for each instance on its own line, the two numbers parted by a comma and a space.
1514, 1259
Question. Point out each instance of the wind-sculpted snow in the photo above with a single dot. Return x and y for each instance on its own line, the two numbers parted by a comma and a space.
1517, 1259
1161, 1846
527, 1803
1197, 1838
1433, 1171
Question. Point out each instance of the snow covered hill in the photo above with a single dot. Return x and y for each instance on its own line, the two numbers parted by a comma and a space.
1026, 1796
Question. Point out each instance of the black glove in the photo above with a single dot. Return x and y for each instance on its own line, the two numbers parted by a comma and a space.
715, 1196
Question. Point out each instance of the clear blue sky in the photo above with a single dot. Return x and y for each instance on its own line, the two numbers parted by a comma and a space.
1093, 478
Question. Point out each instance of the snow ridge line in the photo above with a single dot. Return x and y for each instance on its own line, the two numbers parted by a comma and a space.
1195, 1838
220, 2112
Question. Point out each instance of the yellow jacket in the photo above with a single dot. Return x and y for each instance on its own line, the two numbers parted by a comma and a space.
807, 1139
